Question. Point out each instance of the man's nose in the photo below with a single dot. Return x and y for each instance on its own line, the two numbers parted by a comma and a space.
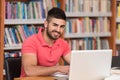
58, 29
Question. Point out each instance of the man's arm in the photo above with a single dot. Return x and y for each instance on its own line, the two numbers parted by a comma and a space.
29, 62
67, 58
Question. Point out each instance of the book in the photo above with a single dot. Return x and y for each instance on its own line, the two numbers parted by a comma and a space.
21, 32
6, 44
87, 6
19, 10
26, 31
118, 31
8, 36
103, 6
95, 6
104, 44
118, 10
8, 10
18, 37
12, 37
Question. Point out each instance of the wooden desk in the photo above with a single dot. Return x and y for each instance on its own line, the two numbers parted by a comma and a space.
36, 78
42, 78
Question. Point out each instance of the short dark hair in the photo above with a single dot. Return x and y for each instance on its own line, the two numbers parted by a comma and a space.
56, 12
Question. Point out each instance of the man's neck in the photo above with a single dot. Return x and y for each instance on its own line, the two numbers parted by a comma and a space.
47, 39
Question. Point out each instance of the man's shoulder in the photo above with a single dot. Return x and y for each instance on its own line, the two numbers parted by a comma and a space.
31, 38
62, 41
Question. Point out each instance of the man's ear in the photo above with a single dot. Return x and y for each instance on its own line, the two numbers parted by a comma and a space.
46, 24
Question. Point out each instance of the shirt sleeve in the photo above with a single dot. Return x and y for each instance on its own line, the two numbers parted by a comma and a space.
29, 46
66, 49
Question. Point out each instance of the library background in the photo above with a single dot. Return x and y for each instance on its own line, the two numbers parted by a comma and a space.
91, 24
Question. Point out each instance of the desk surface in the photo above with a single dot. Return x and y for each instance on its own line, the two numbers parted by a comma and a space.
42, 78
36, 78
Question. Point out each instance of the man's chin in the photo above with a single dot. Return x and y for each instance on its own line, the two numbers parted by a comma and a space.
55, 38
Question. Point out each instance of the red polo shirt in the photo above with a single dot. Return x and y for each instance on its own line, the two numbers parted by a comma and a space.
46, 55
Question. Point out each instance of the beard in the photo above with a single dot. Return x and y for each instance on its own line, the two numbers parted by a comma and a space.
51, 35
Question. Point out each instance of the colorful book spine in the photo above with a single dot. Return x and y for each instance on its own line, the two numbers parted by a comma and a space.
118, 31
118, 10
8, 36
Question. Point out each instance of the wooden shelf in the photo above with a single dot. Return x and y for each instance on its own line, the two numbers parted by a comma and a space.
84, 14
24, 21
83, 35
13, 48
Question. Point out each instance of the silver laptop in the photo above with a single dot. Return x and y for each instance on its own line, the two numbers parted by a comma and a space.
90, 64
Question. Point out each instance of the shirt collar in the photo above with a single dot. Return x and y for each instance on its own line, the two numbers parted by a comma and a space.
41, 39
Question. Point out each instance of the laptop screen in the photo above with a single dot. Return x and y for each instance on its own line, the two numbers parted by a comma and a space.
90, 64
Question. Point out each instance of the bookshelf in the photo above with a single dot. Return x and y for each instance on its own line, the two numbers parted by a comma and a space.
94, 13
16, 21
110, 36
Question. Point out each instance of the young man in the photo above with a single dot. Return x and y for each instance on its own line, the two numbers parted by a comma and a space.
41, 52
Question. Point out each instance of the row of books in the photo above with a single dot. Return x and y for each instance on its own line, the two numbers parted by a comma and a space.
118, 32
118, 9
34, 9
88, 5
12, 54
37, 9
118, 51
51, 3
15, 35
88, 43
83, 25
24, 10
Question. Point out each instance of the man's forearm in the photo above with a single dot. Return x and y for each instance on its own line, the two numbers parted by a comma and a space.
40, 70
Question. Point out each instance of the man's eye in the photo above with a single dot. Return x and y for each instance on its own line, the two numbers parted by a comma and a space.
55, 25
62, 26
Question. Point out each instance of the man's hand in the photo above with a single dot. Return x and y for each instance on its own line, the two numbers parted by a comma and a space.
63, 69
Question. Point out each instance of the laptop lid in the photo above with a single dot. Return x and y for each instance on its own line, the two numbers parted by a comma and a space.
90, 64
